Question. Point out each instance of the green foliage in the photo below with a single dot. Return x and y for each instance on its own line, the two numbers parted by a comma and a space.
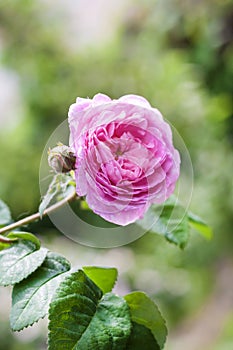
87, 320
83, 312
141, 338
201, 226
173, 221
144, 312
105, 281
51, 193
3, 246
31, 297
109, 327
60, 186
71, 311
25, 235
19, 261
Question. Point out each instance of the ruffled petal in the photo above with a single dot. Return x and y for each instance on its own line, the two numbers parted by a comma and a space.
125, 156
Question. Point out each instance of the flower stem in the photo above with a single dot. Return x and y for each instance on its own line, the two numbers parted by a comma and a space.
33, 217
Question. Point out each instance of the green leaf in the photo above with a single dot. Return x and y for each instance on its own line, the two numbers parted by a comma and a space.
104, 277
61, 186
4, 246
5, 215
198, 224
109, 328
173, 222
18, 261
71, 310
31, 297
179, 233
141, 338
169, 220
51, 193
26, 236
80, 319
145, 312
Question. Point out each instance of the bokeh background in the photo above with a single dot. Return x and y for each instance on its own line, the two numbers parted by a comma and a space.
179, 55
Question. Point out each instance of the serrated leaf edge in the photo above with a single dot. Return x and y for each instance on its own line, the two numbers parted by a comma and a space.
42, 317
133, 319
37, 267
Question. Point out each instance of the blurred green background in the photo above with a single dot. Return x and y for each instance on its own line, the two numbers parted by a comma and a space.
179, 55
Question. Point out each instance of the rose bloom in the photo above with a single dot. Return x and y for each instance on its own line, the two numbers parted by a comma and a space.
125, 158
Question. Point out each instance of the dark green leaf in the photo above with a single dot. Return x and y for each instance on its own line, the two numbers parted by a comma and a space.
19, 261
109, 328
199, 225
5, 215
169, 220
141, 338
104, 277
179, 233
145, 312
31, 297
80, 319
71, 310
26, 236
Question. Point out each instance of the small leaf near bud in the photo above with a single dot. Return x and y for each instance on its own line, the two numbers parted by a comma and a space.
61, 159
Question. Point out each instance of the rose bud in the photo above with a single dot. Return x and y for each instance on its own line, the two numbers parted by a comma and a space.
61, 159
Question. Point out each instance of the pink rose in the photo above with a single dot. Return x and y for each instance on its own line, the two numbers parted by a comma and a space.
125, 158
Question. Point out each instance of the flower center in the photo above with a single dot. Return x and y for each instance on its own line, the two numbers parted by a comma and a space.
120, 171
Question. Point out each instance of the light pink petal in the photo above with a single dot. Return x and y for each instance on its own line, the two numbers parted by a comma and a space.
80, 105
100, 99
135, 100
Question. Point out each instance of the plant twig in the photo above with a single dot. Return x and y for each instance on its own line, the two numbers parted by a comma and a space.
6, 240
34, 217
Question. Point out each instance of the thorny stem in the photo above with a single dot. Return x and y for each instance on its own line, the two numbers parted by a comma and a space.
32, 218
